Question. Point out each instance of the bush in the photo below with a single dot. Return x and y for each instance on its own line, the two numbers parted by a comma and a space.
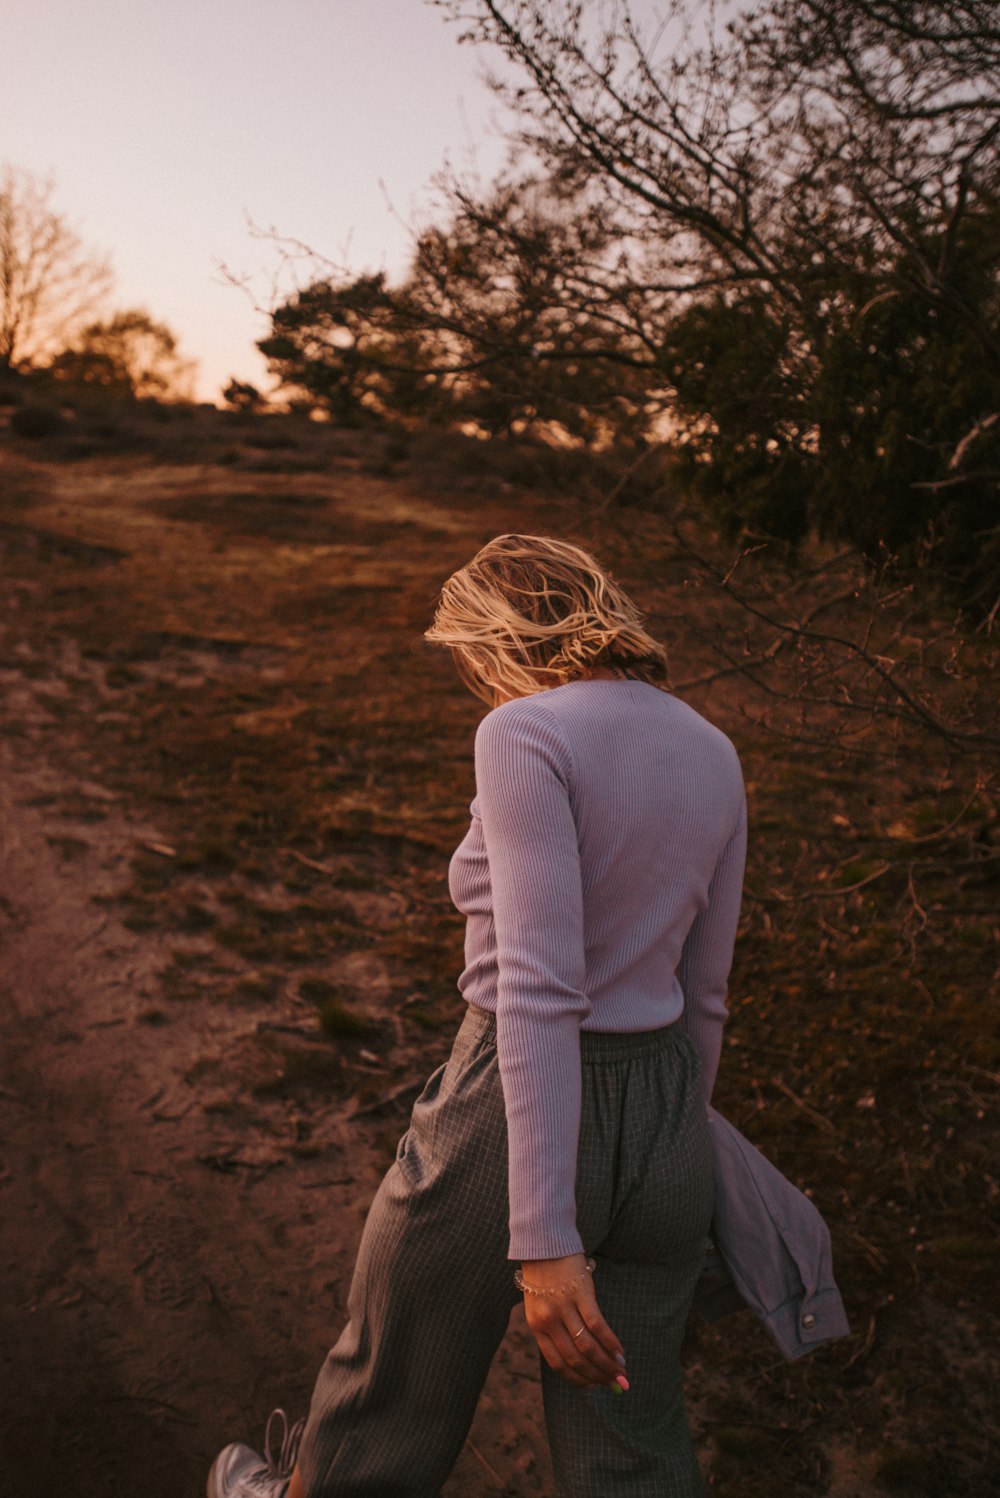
36, 422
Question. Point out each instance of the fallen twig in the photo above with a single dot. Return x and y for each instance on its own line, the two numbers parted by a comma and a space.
310, 863
480, 1458
96, 931
865, 1348
776, 898
991, 1076
269, 1025
818, 1119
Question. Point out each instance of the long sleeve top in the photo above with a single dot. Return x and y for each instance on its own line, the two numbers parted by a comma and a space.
600, 879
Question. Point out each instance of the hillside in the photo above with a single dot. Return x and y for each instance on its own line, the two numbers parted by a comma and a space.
232, 777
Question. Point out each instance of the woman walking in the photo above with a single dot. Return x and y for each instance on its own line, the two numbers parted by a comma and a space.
600, 879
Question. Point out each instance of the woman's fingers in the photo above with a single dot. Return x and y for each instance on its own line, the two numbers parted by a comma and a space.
575, 1340
600, 1331
584, 1362
558, 1364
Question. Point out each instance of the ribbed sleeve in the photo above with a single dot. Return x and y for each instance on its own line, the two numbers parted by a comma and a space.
523, 771
708, 956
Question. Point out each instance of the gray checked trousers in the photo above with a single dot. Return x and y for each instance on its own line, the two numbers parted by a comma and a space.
432, 1289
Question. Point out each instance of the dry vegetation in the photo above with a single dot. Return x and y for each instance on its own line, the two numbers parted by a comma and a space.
219, 617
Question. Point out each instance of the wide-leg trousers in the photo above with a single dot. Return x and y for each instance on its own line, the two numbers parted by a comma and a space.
432, 1290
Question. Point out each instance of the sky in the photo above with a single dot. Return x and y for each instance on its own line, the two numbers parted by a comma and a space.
166, 126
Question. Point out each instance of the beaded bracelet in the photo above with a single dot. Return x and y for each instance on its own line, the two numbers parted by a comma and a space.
527, 1289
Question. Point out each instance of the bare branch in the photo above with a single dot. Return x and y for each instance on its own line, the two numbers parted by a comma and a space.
49, 282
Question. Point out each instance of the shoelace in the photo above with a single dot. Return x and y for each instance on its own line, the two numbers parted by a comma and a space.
282, 1465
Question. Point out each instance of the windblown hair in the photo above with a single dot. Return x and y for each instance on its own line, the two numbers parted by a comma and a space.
530, 612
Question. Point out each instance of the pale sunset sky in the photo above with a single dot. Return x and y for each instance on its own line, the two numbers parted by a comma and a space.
165, 126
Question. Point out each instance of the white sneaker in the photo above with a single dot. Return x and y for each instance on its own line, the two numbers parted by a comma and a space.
240, 1472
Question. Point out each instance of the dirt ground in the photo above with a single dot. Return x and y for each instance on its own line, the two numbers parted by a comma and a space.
164, 1283
224, 800
171, 1269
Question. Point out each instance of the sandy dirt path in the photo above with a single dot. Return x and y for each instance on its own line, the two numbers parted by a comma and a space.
166, 1279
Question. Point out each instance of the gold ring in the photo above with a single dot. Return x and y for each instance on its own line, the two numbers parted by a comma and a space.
580, 1332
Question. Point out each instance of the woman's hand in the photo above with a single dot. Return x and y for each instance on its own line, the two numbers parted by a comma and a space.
566, 1322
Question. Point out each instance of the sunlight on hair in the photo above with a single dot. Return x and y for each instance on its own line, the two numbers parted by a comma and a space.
530, 612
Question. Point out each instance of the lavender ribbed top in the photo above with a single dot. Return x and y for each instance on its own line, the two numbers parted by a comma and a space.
601, 880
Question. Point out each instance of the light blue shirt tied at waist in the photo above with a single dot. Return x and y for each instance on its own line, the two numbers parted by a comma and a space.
771, 1250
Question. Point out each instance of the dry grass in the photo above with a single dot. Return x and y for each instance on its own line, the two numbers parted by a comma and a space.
236, 647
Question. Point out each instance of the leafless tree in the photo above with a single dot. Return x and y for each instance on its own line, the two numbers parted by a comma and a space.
49, 281
839, 128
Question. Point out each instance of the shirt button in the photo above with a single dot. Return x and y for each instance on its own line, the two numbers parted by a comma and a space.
808, 1321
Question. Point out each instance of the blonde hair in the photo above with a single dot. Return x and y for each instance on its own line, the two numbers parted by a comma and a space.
530, 612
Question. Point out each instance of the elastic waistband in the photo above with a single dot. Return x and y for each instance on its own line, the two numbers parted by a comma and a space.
596, 1046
